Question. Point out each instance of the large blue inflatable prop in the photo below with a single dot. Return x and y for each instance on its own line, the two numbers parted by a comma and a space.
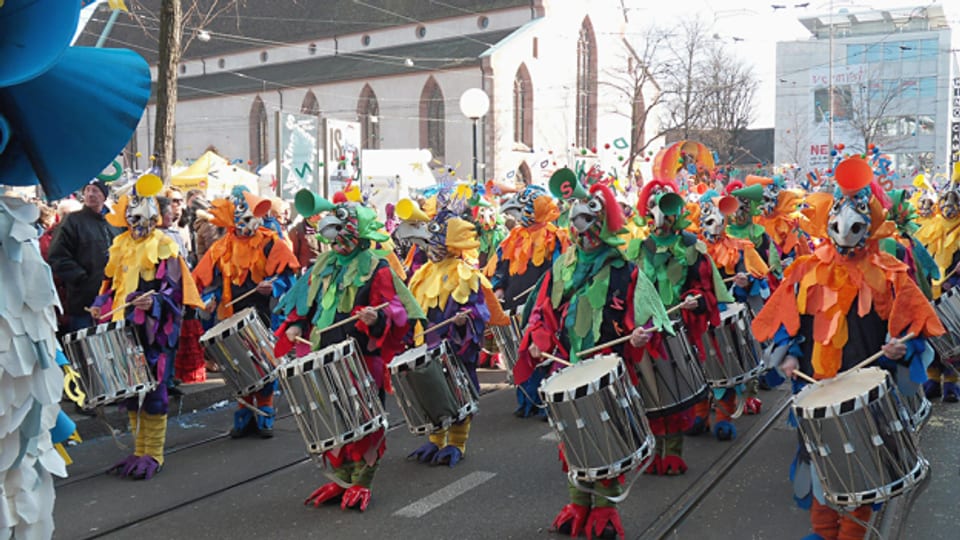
65, 112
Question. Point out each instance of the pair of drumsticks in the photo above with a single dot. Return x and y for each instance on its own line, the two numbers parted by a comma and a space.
872, 358
338, 324
123, 306
612, 342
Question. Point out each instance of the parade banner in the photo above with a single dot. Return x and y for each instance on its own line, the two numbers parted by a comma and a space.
299, 150
341, 154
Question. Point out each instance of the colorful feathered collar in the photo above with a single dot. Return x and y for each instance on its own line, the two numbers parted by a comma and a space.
535, 244
825, 285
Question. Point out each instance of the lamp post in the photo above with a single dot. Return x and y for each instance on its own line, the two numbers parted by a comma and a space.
474, 104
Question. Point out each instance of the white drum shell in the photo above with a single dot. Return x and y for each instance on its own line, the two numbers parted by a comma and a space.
243, 348
599, 418
948, 310
449, 385
737, 360
333, 397
862, 449
675, 383
111, 363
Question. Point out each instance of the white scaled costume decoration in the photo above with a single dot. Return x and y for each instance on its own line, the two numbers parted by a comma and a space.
31, 383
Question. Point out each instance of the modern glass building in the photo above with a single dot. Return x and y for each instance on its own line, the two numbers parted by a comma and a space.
882, 77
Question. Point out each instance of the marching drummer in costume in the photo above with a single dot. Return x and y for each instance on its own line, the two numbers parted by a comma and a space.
840, 304
524, 255
349, 279
249, 256
677, 264
450, 286
735, 259
905, 246
147, 282
941, 236
591, 295
781, 220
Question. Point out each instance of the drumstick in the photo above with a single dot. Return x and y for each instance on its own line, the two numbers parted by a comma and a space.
299, 339
611, 343
805, 377
676, 307
124, 306
248, 293
730, 279
352, 318
525, 292
556, 359
439, 325
879, 353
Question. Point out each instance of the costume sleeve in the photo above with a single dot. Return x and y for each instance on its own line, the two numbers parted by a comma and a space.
700, 281
392, 321
542, 329
501, 271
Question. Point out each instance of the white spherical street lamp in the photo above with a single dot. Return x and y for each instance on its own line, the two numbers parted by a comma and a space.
474, 104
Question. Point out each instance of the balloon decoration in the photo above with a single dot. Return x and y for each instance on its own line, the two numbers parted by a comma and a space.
112, 176
690, 155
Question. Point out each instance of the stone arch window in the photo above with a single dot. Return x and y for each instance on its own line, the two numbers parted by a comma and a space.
368, 113
523, 174
586, 86
259, 133
433, 119
523, 107
310, 104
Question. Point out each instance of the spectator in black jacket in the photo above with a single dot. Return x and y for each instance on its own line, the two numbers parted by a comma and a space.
79, 253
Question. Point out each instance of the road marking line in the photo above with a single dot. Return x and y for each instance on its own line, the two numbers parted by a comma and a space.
444, 495
550, 436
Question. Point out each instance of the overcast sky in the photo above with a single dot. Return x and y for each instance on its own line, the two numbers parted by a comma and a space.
760, 27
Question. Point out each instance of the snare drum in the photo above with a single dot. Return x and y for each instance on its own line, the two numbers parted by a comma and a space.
243, 348
917, 406
111, 363
674, 383
862, 451
432, 388
599, 418
948, 309
507, 338
732, 353
333, 397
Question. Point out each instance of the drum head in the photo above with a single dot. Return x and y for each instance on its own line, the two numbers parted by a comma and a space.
226, 324
732, 311
584, 377
409, 359
845, 388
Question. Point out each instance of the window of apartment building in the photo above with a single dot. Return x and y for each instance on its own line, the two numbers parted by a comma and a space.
259, 133
586, 86
928, 87
909, 50
432, 119
368, 113
926, 125
523, 107
855, 54
873, 52
929, 49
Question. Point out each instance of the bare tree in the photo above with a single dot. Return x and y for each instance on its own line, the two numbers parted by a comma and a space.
726, 92
868, 105
795, 137
637, 83
683, 63
174, 23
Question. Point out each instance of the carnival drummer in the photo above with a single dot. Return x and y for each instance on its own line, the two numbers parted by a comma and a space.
248, 257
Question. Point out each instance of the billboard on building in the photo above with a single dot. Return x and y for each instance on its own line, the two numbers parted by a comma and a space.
341, 153
299, 151
847, 81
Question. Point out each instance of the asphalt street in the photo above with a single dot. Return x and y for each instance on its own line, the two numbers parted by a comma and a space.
510, 485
